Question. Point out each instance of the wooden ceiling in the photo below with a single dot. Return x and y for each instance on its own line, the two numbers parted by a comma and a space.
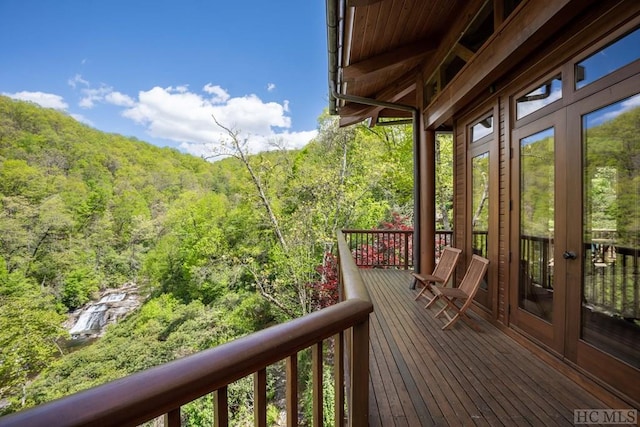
383, 45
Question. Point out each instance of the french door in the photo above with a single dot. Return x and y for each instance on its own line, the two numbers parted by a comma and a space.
575, 236
539, 214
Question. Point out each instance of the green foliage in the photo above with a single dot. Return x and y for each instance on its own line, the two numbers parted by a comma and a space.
81, 210
78, 287
73, 199
29, 329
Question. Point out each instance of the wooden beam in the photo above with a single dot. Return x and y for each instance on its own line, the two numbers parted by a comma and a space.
463, 52
370, 67
397, 91
522, 33
348, 121
456, 30
401, 89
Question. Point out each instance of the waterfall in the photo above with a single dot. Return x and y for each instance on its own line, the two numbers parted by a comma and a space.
92, 319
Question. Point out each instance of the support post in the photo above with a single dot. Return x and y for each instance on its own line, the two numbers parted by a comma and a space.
428, 201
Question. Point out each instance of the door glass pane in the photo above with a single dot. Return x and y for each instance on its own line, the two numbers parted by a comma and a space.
480, 206
611, 229
537, 160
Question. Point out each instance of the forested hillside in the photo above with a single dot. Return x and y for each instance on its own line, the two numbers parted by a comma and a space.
218, 249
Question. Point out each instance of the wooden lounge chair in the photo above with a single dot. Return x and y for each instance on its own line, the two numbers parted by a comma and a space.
464, 293
441, 274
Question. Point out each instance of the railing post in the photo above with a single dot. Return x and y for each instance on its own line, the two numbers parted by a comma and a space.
359, 390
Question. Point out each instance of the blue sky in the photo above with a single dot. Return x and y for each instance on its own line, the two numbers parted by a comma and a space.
158, 69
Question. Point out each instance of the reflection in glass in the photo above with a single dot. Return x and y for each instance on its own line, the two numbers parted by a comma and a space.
480, 206
540, 97
611, 230
613, 57
481, 129
537, 180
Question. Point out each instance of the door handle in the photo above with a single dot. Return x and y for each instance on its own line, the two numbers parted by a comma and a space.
569, 255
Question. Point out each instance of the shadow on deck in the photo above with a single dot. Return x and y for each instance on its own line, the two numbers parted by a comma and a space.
422, 375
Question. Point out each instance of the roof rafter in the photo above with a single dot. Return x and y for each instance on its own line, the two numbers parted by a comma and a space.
383, 62
394, 92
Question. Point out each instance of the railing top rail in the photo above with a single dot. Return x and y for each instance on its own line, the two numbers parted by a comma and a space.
370, 231
354, 285
156, 391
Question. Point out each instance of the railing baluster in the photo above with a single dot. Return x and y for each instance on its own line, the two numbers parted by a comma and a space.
316, 368
260, 398
292, 390
338, 366
359, 375
220, 408
172, 419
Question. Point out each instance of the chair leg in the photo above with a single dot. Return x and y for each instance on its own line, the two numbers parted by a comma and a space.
432, 301
453, 320
426, 287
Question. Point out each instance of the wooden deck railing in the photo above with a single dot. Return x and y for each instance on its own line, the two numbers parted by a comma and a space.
164, 389
387, 248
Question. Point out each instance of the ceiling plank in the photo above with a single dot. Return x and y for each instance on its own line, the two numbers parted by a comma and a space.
383, 62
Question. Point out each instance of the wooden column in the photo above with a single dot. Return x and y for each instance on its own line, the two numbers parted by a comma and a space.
427, 200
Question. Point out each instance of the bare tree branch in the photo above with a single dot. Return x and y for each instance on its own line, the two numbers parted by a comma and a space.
238, 149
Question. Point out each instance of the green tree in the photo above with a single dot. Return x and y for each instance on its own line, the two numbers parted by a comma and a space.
29, 329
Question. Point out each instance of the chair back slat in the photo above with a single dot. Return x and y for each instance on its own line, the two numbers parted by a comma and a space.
447, 263
475, 272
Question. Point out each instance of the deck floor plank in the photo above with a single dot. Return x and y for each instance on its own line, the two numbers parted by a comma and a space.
422, 375
453, 399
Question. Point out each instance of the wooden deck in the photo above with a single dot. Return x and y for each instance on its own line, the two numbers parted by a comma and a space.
422, 375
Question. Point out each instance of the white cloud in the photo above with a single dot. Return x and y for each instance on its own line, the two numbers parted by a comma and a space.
186, 117
120, 99
47, 100
91, 96
77, 79
178, 114
271, 87
219, 94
